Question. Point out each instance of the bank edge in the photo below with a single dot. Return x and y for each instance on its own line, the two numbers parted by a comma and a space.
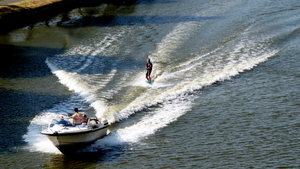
23, 13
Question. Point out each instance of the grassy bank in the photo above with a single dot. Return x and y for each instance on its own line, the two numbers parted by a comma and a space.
24, 5
27, 12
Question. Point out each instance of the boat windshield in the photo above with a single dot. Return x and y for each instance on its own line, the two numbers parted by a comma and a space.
53, 122
62, 122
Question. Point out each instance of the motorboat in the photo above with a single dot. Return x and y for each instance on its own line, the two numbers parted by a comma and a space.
69, 138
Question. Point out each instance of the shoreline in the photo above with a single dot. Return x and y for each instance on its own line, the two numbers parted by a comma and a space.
22, 13
6, 2
26, 5
26, 12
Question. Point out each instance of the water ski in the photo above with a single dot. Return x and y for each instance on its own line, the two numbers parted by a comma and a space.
149, 81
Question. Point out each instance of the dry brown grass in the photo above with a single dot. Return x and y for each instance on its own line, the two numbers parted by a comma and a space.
31, 4
24, 5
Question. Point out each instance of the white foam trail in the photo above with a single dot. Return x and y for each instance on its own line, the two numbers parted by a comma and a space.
104, 46
70, 79
87, 91
88, 62
80, 83
182, 78
148, 125
36, 141
172, 41
213, 72
211, 76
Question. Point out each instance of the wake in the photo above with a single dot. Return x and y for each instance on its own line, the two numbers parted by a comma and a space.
98, 83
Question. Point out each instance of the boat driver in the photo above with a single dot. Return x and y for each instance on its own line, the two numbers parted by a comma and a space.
62, 121
77, 117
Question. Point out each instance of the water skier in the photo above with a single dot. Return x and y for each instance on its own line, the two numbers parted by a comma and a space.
148, 67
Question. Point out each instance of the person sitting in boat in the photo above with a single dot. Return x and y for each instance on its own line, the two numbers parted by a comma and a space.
85, 119
77, 117
63, 121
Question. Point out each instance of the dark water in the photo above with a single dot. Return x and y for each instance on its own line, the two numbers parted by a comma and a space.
225, 91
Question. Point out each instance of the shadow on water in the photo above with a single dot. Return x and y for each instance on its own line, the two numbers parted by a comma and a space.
112, 15
113, 20
17, 109
87, 159
148, 2
20, 103
29, 62
30, 18
22, 61
138, 2
97, 64
22, 17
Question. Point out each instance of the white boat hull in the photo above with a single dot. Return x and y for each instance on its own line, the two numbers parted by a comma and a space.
69, 139
77, 138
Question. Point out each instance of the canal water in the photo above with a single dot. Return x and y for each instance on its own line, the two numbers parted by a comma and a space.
225, 91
